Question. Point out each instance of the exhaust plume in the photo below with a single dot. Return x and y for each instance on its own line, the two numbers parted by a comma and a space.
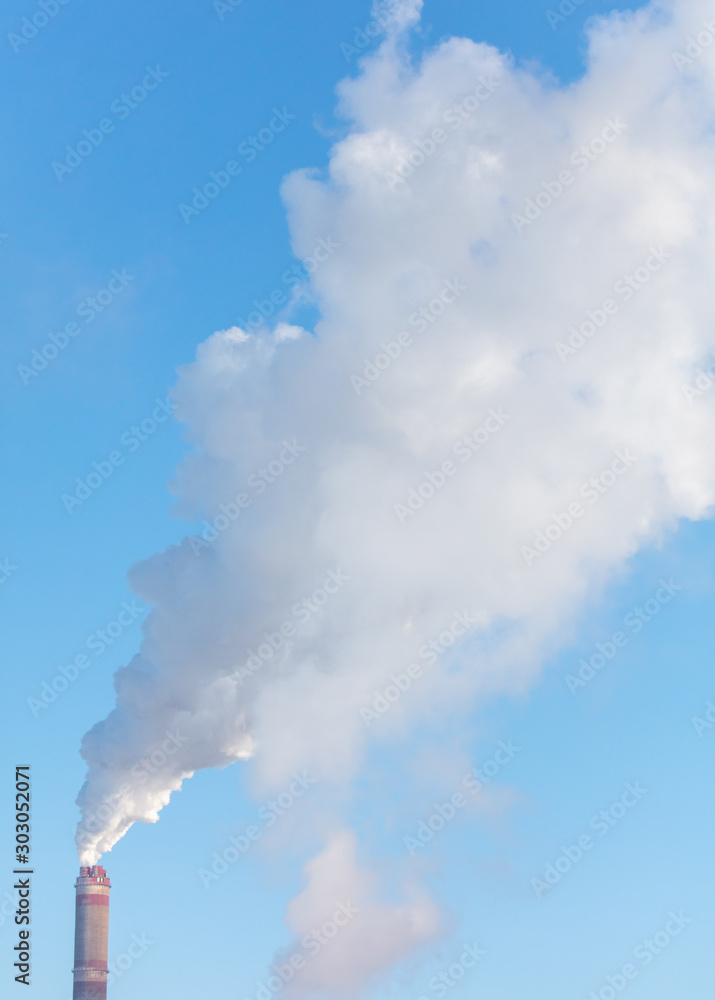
507, 395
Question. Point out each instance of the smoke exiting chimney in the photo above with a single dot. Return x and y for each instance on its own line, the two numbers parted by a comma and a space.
91, 932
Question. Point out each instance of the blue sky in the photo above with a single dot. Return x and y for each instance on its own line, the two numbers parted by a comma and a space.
118, 212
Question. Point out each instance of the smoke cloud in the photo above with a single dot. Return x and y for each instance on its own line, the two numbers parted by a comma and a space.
505, 398
345, 935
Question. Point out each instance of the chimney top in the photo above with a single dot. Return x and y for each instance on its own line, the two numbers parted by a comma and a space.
94, 872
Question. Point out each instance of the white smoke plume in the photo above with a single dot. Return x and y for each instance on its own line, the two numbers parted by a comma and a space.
491, 416
345, 934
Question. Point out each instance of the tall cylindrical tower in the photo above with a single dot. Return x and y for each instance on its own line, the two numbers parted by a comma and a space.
91, 933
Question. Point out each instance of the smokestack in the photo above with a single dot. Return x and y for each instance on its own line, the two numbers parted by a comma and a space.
91, 932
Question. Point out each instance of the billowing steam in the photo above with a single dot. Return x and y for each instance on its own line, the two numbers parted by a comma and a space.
515, 280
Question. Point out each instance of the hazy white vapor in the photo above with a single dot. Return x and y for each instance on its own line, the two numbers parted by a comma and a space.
488, 420
345, 934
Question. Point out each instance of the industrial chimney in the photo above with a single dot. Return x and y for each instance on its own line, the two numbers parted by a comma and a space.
91, 932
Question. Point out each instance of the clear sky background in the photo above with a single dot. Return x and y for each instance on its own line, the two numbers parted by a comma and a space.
62, 241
